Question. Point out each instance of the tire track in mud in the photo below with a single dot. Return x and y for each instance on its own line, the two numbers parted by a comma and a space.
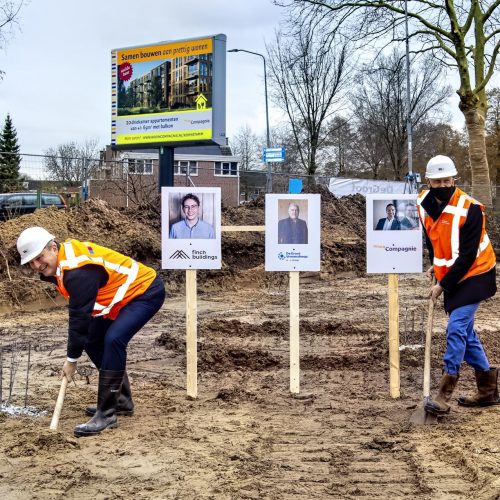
246, 436
336, 438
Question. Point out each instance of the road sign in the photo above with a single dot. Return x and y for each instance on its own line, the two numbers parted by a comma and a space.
273, 155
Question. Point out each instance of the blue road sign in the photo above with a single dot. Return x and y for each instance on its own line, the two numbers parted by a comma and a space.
273, 155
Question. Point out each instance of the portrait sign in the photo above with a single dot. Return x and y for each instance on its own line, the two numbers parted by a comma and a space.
393, 234
169, 93
190, 228
293, 232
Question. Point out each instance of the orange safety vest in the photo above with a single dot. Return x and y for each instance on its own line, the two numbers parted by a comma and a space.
444, 234
127, 278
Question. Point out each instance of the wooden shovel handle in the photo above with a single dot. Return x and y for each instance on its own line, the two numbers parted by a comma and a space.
59, 403
427, 351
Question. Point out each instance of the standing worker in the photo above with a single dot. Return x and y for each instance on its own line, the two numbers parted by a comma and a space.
463, 262
111, 297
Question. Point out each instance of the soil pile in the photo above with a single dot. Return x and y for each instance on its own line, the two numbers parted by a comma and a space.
137, 233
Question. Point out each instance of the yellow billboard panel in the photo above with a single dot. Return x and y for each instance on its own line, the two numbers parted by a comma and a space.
169, 93
165, 51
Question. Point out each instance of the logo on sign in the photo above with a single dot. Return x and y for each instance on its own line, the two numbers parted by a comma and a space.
179, 254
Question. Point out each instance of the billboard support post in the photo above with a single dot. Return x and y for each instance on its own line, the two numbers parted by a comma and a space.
166, 167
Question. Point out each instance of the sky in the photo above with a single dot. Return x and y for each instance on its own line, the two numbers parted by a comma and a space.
57, 82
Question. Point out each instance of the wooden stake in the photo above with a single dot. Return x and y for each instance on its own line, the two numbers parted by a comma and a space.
294, 333
394, 336
191, 334
59, 403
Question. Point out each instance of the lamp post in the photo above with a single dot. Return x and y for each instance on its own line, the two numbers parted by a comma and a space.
411, 178
269, 179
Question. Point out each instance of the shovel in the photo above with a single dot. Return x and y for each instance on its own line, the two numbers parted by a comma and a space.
420, 416
59, 403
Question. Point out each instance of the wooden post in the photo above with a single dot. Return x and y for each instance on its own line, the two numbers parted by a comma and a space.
393, 336
294, 333
191, 334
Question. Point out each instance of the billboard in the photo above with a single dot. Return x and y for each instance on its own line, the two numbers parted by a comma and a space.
169, 94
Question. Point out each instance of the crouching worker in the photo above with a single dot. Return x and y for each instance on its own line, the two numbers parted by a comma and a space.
111, 297
463, 262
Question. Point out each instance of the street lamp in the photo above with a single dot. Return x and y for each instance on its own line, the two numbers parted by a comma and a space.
269, 180
411, 177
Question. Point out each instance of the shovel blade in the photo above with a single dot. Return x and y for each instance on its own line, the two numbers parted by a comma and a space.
421, 417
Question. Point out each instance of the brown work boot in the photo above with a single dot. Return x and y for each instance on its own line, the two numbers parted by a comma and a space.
487, 390
439, 405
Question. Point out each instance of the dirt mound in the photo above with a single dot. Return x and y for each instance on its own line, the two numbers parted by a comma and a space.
92, 221
136, 232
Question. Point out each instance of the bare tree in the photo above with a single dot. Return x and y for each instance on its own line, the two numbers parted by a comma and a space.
9, 14
307, 80
438, 136
369, 150
380, 103
493, 139
282, 136
72, 162
248, 147
461, 35
339, 147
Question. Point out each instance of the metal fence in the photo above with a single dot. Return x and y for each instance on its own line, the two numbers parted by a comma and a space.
131, 182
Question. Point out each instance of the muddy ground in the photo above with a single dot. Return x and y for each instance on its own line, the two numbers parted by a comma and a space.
245, 436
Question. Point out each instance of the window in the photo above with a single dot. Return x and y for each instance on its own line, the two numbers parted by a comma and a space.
183, 167
141, 167
51, 199
29, 199
226, 168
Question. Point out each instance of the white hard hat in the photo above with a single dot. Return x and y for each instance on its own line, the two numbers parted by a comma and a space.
31, 243
439, 167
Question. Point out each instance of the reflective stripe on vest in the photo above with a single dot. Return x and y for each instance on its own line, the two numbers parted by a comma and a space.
458, 208
72, 261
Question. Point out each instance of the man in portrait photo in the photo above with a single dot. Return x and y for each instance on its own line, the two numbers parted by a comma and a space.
292, 230
389, 223
410, 220
191, 227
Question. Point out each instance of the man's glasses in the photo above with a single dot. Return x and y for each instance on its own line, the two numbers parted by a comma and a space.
189, 207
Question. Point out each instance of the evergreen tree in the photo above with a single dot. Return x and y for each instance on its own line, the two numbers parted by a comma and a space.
10, 160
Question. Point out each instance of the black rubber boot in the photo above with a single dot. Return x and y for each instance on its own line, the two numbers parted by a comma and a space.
124, 406
487, 390
107, 397
439, 405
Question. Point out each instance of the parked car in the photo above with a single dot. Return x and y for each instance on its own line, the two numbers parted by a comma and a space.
16, 204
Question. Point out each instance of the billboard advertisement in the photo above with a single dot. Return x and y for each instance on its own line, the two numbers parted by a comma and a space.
169, 94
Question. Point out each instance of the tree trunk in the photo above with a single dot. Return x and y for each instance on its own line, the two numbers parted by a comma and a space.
480, 175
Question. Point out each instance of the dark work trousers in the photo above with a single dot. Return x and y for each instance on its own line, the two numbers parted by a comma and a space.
108, 339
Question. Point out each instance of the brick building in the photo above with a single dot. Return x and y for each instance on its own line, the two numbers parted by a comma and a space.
128, 178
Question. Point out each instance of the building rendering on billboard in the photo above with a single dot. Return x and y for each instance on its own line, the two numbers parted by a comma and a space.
169, 93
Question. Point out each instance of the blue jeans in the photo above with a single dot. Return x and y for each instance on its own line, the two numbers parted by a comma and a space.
108, 339
462, 342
